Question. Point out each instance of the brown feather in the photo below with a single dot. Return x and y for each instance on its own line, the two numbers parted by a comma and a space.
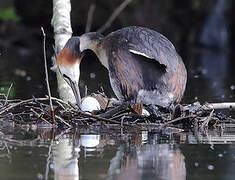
66, 57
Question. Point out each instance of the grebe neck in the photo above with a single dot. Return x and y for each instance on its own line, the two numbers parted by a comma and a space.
93, 41
90, 41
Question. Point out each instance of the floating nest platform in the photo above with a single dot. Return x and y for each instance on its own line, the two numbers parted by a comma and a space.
37, 112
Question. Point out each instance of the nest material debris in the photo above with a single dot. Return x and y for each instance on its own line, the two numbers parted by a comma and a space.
37, 111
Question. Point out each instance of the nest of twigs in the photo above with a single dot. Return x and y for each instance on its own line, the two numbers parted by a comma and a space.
37, 111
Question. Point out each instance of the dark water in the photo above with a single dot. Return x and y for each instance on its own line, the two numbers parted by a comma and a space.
86, 154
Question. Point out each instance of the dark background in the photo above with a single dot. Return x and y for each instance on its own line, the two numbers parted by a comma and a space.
193, 26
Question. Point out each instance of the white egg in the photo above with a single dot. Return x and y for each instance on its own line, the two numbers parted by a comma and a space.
145, 112
90, 104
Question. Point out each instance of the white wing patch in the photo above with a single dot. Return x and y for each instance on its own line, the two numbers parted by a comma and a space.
139, 53
143, 54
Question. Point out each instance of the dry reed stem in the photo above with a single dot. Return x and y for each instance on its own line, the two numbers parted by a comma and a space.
46, 72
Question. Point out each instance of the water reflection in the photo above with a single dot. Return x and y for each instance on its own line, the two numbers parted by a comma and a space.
111, 155
89, 142
140, 160
65, 159
160, 161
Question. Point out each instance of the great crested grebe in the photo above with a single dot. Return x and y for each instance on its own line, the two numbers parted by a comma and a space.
143, 65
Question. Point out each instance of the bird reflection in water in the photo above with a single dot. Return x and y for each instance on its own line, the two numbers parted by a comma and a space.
143, 158
148, 161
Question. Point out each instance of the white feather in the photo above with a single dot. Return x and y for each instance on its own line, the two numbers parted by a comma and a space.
73, 72
139, 53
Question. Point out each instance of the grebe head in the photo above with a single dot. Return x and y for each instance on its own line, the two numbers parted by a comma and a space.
69, 58
68, 62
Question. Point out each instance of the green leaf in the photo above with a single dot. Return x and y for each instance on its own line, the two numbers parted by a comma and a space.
9, 14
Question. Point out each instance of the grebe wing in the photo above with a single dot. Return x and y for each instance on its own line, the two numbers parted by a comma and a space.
148, 43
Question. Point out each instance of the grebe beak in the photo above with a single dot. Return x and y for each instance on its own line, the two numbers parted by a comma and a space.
76, 91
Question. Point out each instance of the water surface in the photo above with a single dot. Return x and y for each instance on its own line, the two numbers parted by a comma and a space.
93, 154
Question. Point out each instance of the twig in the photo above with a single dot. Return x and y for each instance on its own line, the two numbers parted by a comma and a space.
107, 105
59, 102
102, 118
226, 105
215, 106
99, 118
119, 116
8, 151
14, 105
63, 121
177, 119
49, 155
8, 92
207, 119
114, 15
40, 117
23, 142
90, 17
115, 110
122, 120
66, 131
46, 72
40, 104
30, 100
